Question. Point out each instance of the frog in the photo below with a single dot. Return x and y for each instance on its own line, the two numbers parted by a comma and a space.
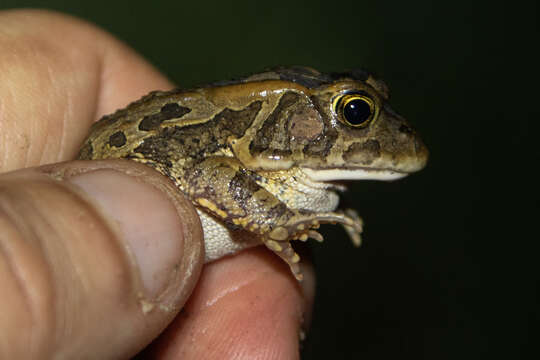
263, 157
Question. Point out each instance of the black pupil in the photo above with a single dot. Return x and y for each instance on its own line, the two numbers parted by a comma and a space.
357, 111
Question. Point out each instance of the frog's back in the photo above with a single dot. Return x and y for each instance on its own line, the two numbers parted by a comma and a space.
211, 112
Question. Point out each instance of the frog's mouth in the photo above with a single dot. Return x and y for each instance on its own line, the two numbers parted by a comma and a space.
353, 174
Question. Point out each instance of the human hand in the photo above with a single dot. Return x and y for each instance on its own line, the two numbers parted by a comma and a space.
97, 258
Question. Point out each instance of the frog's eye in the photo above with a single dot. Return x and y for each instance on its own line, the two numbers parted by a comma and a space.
356, 110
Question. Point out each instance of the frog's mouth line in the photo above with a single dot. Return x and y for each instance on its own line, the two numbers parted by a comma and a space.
353, 174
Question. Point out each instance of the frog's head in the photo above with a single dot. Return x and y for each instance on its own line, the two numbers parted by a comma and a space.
338, 126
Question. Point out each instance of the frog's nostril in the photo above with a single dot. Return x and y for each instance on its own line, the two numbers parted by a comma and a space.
406, 129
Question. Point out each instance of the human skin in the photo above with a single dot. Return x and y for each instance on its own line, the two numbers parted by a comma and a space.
81, 276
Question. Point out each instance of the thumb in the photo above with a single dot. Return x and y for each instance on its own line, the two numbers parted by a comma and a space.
96, 258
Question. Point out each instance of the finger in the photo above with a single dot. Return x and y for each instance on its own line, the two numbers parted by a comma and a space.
247, 306
56, 83
96, 258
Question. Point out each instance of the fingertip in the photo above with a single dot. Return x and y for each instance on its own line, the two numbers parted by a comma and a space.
247, 304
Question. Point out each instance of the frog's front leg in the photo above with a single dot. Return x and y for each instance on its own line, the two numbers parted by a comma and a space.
222, 187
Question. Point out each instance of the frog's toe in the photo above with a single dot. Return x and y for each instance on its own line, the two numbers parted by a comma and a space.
355, 227
354, 235
315, 235
308, 234
285, 251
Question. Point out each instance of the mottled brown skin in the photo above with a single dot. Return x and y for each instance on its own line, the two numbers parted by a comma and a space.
238, 149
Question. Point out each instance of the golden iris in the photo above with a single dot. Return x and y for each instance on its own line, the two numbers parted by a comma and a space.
356, 110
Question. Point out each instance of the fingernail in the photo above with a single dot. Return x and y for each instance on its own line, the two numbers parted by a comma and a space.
147, 222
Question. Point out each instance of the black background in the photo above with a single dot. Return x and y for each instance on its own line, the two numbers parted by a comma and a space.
448, 267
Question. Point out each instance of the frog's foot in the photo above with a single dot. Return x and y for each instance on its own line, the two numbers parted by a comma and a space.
349, 219
285, 251
301, 227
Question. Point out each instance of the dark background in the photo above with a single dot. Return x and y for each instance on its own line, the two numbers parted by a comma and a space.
448, 267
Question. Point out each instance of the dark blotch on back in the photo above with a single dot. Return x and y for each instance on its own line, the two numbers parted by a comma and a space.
173, 110
195, 142
155, 148
167, 112
117, 139
235, 122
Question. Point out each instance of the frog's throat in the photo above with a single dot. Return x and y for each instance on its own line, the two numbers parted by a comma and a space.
353, 174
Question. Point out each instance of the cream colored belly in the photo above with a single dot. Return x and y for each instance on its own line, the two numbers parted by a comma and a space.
220, 241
